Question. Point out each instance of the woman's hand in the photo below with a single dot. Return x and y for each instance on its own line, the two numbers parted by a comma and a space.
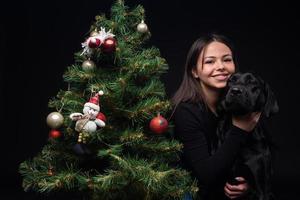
246, 122
238, 190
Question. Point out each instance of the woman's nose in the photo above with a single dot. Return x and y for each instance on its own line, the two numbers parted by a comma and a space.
220, 65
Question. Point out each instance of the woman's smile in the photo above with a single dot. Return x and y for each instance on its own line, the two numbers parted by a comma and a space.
221, 77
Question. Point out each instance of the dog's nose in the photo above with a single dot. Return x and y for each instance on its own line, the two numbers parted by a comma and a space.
236, 91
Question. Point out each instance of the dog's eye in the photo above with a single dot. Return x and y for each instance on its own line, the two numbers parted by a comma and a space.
254, 89
249, 79
233, 79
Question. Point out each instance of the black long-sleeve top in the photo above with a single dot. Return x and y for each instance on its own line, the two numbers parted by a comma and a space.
195, 127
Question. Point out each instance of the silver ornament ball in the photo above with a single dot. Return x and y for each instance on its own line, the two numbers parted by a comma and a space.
142, 27
88, 65
55, 120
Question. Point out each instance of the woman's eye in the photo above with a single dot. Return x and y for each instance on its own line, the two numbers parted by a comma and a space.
208, 62
228, 60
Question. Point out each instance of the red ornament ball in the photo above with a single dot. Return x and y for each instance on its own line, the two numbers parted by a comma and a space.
94, 42
109, 45
54, 134
159, 124
101, 116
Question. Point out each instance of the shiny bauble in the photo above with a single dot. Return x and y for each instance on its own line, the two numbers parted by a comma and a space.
55, 120
109, 45
88, 65
94, 42
54, 134
81, 149
94, 33
159, 124
142, 27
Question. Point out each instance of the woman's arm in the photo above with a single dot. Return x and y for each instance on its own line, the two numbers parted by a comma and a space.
189, 126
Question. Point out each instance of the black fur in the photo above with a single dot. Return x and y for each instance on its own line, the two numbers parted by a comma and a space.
246, 93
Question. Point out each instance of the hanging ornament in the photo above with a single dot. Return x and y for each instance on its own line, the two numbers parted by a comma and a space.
101, 116
159, 124
89, 121
95, 41
82, 137
94, 33
54, 134
55, 120
109, 45
81, 149
88, 65
50, 171
142, 27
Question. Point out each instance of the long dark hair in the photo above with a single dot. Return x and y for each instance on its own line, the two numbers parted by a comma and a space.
190, 89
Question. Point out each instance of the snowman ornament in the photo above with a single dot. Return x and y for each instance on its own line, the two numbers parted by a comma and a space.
91, 118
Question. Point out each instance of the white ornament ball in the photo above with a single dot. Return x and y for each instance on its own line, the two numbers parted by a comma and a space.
142, 27
88, 65
55, 120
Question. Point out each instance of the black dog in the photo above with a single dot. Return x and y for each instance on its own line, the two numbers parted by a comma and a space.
246, 93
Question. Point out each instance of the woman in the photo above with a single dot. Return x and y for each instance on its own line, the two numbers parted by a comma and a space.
209, 64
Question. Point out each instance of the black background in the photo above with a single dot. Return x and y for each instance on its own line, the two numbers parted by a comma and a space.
38, 40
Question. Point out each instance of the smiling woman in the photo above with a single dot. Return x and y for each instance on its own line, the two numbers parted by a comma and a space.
214, 66
210, 62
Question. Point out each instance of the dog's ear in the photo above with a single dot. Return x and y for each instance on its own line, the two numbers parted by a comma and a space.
221, 108
271, 106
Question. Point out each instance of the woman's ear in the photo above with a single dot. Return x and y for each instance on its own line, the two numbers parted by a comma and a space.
194, 73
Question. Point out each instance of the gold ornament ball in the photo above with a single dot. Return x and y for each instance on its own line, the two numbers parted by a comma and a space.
55, 120
94, 33
142, 27
88, 65
98, 17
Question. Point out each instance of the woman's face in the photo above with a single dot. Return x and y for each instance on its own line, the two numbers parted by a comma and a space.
214, 66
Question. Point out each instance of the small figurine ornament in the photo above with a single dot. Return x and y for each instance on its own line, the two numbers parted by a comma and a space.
91, 118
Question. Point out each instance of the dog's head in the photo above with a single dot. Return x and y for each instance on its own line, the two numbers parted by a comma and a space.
245, 93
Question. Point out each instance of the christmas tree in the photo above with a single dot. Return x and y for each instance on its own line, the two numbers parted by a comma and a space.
110, 137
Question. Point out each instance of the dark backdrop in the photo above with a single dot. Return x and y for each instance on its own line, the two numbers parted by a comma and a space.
38, 40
